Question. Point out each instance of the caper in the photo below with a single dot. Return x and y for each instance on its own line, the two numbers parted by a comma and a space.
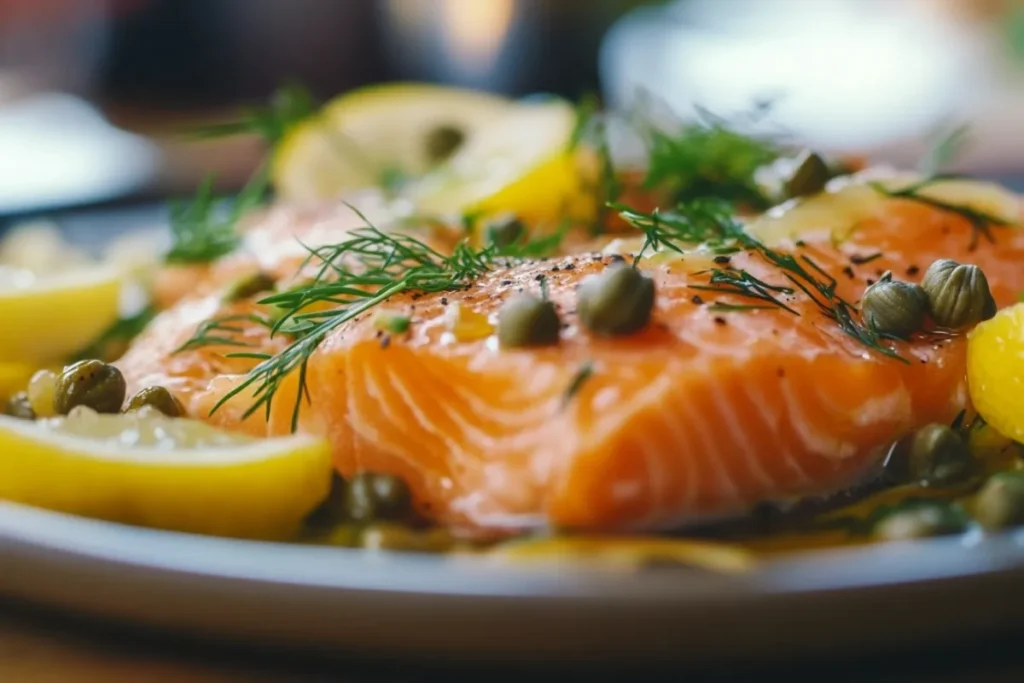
90, 383
934, 454
390, 536
958, 294
893, 307
370, 496
810, 176
525, 320
1000, 502
921, 519
331, 511
616, 302
505, 231
249, 286
158, 398
442, 142
19, 406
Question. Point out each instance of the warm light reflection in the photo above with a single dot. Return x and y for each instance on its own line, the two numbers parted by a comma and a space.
476, 29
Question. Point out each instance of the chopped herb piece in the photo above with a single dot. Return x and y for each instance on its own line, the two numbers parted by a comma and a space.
585, 372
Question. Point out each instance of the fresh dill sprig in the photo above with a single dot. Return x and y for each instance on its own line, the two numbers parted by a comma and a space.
288, 106
585, 372
709, 158
710, 223
354, 276
701, 221
980, 221
742, 283
944, 150
201, 230
220, 332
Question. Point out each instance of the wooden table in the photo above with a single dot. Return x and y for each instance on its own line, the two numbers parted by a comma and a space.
47, 648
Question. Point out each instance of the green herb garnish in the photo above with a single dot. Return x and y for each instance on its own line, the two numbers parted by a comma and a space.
980, 221
712, 222
202, 231
709, 158
287, 107
585, 372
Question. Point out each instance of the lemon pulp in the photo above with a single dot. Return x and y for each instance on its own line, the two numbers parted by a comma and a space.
147, 469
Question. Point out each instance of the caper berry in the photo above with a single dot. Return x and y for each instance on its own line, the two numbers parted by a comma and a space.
920, 519
249, 286
370, 496
810, 176
442, 142
934, 454
616, 302
19, 406
158, 398
525, 320
958, 294
505, 231
1000, 502
893, 307
90, 383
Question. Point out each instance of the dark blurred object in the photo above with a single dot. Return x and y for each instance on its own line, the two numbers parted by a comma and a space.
204, 53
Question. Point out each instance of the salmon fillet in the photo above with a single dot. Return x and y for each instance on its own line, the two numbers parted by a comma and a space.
705, 413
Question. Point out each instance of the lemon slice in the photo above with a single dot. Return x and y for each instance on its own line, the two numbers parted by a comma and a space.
146, 469
995, 370
362, 137
48, 317
520, 162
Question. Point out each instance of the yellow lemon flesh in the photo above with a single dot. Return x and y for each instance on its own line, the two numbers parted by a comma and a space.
362, 137
147, 469
521, 162
49, 317
995, 370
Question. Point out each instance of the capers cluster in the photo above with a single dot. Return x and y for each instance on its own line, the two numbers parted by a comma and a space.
616, 302
933, 455
90, 384
367, 497
954, 295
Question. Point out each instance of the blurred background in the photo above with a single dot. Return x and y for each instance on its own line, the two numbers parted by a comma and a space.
94, 93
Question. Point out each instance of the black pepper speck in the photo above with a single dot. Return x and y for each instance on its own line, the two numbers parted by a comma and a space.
506, 283
539, 277
617, 259
385, 341
870, 282
721, 259
913, 270
800, 243
697, 300
570, 266
444, 301
848, 272
719, 320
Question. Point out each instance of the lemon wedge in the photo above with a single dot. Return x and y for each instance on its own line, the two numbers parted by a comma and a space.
48, 317
995, 370
520, 162
147, 469
361, 138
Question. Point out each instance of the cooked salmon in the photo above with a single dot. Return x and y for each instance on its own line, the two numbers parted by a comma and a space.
704, 413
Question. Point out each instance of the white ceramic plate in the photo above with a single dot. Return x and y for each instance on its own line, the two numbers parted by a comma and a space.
399, 604
395, 604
